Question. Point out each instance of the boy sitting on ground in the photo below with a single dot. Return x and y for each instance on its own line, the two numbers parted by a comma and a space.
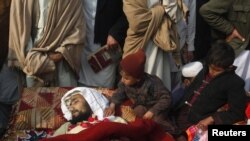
149, 97
189, 71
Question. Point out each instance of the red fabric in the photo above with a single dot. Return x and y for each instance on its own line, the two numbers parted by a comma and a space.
248, 111
133, 64
191, 131
140, 130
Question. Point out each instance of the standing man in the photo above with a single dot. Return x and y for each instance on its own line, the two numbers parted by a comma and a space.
202, 41
9, 90
46, 38
230, 20
186, 30
4, 29
106, 24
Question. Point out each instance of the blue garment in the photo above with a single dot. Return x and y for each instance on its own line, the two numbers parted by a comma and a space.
176, 94
9, 94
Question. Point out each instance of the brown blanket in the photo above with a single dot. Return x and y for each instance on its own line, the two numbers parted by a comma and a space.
64, 33
149, 23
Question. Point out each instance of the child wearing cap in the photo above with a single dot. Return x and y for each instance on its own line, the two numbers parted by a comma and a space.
189, 72
150, 98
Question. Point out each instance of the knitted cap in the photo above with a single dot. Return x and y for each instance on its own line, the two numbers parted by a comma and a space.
191, 69
133, 64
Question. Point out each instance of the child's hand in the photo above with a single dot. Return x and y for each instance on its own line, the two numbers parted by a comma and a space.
148, 115
109, 111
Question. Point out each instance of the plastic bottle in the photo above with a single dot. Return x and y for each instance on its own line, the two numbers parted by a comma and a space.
194, 133
198, 135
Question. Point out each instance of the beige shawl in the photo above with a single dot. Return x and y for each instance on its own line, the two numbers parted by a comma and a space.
64, 33
149, 23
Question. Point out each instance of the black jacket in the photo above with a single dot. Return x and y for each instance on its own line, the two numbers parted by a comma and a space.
110, 19
227, 88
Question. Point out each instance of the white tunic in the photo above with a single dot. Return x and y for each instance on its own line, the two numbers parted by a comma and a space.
186, 29
88, 77
243, 67
159, 62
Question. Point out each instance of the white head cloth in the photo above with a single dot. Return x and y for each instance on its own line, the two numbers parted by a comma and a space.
191, 69
96, 101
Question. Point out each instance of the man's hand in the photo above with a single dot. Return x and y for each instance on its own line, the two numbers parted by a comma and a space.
234, 34
55, 56
111, 42
148, 115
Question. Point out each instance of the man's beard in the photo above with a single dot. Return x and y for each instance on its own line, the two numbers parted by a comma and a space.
83, 116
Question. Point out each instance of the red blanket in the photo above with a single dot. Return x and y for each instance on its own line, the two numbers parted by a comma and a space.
140, 130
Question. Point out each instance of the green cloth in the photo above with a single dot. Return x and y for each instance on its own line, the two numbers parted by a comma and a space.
224, 16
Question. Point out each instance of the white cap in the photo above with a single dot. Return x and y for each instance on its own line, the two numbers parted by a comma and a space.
191, 69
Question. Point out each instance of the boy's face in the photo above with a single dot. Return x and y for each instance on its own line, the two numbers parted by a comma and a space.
127, 79
215, 70
188, 81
